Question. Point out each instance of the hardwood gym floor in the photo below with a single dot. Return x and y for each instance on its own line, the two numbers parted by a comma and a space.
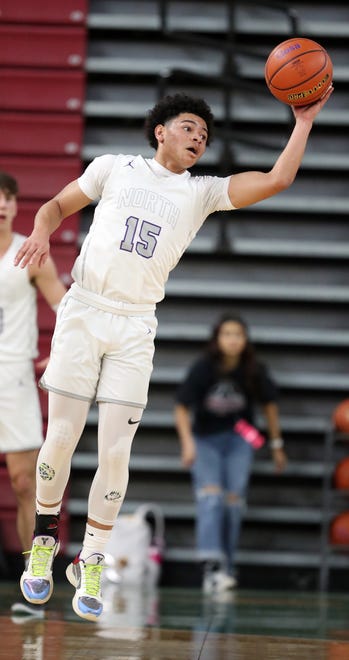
180, 624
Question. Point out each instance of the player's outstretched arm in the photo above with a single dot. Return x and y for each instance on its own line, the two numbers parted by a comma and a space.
250, 187
36, 248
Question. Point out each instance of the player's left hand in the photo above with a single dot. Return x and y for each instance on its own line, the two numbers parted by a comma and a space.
310, 111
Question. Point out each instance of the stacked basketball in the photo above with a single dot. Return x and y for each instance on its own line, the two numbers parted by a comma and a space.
340, 525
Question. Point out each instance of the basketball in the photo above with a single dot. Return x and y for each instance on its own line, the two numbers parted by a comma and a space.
341, 474
340, 417
298, 71
339, 532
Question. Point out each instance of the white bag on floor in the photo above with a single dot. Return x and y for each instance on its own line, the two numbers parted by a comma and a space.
134, 551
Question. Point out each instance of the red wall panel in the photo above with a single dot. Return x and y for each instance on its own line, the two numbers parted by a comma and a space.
42, 46
43, 11
42, 90
68, 232
40, 134
41, 178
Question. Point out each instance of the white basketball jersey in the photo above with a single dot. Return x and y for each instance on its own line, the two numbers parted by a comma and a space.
18, 310
145, 219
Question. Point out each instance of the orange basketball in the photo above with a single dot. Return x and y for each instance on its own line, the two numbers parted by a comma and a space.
340, 416
298, 71
339, 531
341, 474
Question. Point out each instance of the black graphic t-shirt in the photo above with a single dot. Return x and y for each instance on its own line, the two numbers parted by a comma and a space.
219, 400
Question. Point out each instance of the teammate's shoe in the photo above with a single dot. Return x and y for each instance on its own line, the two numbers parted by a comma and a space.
36, 581
85, 576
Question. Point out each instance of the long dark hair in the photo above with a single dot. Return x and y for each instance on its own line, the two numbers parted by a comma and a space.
248, 358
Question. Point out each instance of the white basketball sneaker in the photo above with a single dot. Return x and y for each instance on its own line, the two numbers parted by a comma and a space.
85, 576
36, 581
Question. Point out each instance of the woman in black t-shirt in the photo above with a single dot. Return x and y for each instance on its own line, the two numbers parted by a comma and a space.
215, 420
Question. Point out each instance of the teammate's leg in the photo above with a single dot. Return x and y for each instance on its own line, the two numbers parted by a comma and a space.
21, 467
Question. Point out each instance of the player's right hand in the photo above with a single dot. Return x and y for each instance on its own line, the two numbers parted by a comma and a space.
34, 250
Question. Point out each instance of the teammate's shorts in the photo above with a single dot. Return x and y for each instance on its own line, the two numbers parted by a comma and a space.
101, 350
20, 412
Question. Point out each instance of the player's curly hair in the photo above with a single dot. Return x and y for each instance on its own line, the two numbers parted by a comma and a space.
172, 106
8, 183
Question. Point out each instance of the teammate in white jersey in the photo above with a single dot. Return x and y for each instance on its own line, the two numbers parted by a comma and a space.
148, 212
20, 415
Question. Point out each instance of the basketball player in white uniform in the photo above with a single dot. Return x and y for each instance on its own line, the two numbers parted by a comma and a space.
20, 414
147, 214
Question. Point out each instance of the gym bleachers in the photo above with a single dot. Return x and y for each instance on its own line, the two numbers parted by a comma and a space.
68, 232
42, 90
42, 176
40, 134
33, 46
42, 75
67, 12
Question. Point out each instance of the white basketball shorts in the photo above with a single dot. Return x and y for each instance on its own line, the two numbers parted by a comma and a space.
101, 350
20, 412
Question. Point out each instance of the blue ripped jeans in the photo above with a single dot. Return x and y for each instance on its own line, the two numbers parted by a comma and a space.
223, 464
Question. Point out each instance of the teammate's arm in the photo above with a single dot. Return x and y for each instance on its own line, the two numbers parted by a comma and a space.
47, 281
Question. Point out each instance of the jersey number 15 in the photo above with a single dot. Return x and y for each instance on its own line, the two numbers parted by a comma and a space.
143, 240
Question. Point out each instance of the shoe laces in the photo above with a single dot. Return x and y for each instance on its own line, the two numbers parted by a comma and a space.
40, 560
92, 578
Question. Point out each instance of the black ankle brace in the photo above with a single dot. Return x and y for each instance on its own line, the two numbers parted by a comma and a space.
46, 525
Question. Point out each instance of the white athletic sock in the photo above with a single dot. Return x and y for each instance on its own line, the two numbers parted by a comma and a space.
95, 540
